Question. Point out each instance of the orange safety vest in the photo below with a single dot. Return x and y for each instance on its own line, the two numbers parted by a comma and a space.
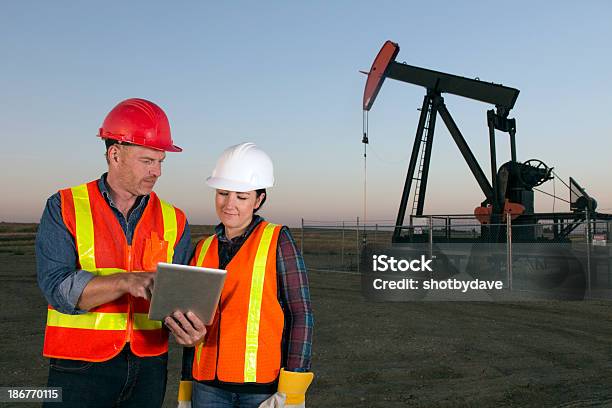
243, 344
102, 249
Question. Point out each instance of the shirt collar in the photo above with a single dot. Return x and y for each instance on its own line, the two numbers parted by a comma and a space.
105, 190
220, 230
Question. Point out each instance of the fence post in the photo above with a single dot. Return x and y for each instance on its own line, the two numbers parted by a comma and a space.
608, 243
302, 242
342, 248
509, 249
430, 236
587, 232
375, 233
358, 246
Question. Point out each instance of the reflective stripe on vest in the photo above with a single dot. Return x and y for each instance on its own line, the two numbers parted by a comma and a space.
255, 301
170, 230
257, 283
204, 250
101, 321
199, 262
96, 321
84, 228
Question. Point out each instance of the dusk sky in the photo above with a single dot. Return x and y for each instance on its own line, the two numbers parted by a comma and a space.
285, 75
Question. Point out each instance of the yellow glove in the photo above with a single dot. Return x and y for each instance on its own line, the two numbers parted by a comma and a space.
184, 394
294, 386
277, 400
291, 391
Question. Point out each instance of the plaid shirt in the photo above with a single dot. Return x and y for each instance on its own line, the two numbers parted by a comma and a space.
293, 295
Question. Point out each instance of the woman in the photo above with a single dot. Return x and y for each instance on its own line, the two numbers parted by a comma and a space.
264, 320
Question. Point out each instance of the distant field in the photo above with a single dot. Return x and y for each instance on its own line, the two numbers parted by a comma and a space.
12, 227
17, 238
325, 247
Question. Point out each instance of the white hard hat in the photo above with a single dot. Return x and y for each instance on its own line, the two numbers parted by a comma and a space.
243, 167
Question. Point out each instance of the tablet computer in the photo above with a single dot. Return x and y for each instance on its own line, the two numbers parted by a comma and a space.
186, 288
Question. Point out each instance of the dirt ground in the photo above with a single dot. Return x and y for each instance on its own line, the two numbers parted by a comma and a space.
547, 354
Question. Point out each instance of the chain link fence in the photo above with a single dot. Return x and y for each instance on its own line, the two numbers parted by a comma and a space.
570, 254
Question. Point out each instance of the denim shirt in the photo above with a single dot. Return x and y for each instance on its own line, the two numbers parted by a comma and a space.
56, 254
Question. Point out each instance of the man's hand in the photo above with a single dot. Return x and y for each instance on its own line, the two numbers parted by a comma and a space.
187, 328
104, 289
138, 284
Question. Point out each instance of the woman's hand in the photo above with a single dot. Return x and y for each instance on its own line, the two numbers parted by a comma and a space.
188, 330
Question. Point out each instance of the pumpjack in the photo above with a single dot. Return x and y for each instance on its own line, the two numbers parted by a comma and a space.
510, 189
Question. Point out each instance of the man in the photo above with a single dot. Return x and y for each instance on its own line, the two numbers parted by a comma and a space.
97, 248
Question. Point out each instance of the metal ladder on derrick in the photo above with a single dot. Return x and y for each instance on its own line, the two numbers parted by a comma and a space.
418, 178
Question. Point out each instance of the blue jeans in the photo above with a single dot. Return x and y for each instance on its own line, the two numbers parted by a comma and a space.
205, 396
123, 381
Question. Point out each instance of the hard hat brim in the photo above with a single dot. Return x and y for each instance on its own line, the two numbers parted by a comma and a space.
170, 148
232, 185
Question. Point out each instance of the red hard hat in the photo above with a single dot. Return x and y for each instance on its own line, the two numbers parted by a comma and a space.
139, 122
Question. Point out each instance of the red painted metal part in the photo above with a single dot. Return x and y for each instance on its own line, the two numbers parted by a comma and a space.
376, 76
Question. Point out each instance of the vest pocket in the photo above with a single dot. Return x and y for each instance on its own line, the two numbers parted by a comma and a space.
155, 251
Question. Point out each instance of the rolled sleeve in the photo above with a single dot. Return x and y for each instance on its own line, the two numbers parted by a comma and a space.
56, 259
71, 288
